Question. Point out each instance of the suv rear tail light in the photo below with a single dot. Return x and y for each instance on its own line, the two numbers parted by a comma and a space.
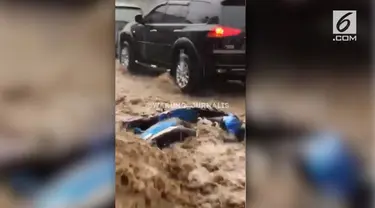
220, 31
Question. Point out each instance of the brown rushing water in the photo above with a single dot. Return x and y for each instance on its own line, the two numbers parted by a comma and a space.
202, 172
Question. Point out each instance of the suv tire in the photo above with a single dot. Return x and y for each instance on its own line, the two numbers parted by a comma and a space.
126, 57
187, 72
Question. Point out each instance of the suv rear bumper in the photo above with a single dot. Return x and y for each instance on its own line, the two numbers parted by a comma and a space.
229, 62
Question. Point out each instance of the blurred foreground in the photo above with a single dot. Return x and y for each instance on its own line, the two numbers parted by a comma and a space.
320, 92
56, 96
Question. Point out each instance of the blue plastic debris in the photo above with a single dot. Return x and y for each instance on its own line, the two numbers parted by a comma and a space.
172, 123
330, 164
166, 132
232, 124
160, 126
185, 114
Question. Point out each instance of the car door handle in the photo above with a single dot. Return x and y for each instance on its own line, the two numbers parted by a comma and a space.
153, 30
177, 30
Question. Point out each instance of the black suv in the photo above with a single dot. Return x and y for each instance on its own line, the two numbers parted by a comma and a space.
198, 40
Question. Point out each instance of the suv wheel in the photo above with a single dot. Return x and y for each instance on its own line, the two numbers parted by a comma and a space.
187, 73
126, 57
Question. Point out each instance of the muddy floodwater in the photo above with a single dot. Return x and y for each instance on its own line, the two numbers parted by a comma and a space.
202, 172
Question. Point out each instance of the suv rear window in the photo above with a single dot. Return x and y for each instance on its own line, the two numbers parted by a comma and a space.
233, 13
126, 14
175, 14
200, 12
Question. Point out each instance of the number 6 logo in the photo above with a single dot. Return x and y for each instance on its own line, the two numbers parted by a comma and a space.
342, 21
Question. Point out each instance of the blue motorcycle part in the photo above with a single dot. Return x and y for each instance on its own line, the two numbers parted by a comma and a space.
232, 124
162, 125
185, 114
